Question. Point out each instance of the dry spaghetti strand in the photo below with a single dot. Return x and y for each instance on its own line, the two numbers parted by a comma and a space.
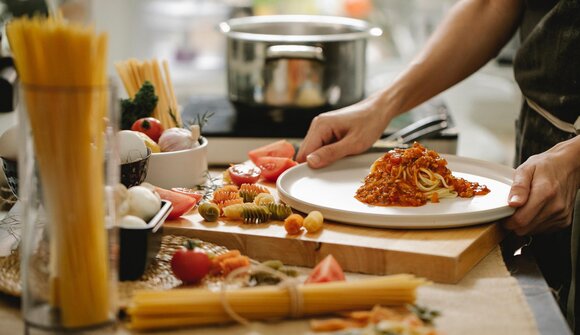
198, 306
134, 73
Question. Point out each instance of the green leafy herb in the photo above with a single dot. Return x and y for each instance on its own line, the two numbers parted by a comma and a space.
142, 105
174, 118
201, 120
424, 313
212, 184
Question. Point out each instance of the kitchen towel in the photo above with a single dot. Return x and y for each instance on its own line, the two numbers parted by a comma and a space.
488, 300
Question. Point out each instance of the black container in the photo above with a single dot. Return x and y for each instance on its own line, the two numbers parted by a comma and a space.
134, 173
139, 246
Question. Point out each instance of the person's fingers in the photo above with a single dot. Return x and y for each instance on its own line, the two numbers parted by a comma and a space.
328, 154
541, 206
308, 145
537, 227
523, 218
319, 133
520, 189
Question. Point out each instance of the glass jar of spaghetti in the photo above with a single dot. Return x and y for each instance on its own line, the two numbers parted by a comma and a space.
65, 168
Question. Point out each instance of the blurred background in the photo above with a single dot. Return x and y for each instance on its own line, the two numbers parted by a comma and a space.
184, 32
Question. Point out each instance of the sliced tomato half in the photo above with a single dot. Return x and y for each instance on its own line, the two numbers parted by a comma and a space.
181, 203
244, 174
280, 148
272, 167
327, 270
197, 195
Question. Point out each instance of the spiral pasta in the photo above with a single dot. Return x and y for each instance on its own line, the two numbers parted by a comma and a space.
264, 199
250, 191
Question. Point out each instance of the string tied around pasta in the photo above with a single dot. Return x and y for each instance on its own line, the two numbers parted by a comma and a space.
287, 282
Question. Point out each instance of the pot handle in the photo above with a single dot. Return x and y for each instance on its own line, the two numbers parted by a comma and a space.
294, 51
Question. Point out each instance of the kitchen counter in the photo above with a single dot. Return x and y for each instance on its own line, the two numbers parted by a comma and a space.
546, 314
502, 290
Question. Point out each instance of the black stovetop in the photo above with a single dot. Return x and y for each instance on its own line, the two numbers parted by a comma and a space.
237, 121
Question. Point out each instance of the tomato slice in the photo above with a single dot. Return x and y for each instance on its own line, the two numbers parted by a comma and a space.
327, 270
272, 167
197, 195
280, 148
181, 203
244, 174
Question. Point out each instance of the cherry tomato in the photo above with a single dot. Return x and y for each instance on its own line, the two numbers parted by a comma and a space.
326, 271
244, 174
190, 265
149, 126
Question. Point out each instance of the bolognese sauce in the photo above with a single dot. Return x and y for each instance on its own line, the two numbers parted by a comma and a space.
411, 177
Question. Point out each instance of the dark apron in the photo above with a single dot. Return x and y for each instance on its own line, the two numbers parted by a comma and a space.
547, 69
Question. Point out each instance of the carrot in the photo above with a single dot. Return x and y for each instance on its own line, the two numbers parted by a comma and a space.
230, 264
334, 324
434, 197
217, 260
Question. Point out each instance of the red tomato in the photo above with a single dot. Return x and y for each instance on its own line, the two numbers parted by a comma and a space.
244, 174
190, 265
149, 126
280, 148
272, 167
326, 271
181, 203
197, 195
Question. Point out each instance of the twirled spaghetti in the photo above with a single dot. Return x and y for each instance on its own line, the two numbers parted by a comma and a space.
411, 177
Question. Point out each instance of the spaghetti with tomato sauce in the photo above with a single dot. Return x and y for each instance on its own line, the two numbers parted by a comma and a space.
411, 177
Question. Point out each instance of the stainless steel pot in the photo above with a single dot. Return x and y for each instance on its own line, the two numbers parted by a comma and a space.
296, 61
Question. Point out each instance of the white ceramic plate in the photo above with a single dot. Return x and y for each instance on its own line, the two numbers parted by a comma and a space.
331, 191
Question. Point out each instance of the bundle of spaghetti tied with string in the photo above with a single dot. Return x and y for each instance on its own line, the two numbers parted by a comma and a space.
199, 306
135, 73
62, 69
411, 177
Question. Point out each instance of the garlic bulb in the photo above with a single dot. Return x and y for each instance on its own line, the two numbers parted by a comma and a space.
143, 203
131, 221
174, 139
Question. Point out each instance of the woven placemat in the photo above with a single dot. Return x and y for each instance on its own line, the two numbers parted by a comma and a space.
157, 275
10, 274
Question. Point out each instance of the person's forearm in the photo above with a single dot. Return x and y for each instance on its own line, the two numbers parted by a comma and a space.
473, 32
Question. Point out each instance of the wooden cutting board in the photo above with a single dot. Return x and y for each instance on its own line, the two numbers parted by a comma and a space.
441, 255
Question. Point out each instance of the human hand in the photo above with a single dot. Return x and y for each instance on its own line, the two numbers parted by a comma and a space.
544, 190
347, 131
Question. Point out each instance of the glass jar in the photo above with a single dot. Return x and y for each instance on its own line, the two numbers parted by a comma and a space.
67, 165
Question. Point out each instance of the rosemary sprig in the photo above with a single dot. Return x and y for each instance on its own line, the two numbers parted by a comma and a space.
174, 118
201, 120
212, 184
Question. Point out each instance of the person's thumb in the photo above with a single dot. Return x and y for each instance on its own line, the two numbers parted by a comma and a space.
520, 189
326, 155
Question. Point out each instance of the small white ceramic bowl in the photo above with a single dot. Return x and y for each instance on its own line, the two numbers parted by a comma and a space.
184, 168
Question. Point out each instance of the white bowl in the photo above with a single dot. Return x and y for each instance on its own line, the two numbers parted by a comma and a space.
184, 168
